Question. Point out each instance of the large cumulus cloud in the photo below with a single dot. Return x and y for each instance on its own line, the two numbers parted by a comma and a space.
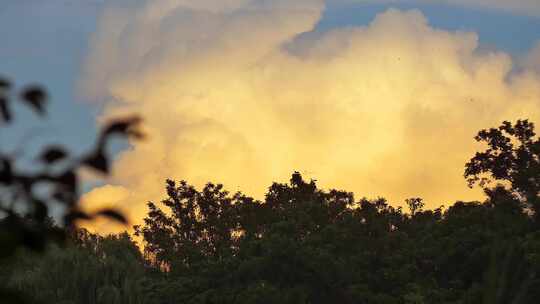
236, 92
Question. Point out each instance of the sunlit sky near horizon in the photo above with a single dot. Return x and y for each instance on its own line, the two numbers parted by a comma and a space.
48, 42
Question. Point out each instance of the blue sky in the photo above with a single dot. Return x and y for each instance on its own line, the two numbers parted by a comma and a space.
46, 41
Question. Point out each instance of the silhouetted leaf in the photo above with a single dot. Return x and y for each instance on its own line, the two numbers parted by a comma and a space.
128, 127
35, 97
6, 174
5, 112
113, 214
53, 154
40, 210
4, 84
69, 180
63, 196
97, 161
74, 215
125, 126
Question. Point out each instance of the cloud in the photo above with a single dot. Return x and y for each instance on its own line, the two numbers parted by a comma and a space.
532, 60
231, 94
521, 7
100, 198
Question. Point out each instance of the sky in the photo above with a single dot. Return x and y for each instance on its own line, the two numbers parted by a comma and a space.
377, 97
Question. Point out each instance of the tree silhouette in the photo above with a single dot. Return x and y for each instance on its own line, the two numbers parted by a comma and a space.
512, 159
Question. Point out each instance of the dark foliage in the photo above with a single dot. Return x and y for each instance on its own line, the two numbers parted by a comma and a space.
300, 245
306, 245
512, 159
27, 194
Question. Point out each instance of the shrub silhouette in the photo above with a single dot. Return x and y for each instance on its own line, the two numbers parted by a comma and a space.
28, 195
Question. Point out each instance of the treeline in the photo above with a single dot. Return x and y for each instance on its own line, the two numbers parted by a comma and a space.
302, 244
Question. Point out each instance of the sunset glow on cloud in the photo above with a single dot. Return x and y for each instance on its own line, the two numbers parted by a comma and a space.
235, 92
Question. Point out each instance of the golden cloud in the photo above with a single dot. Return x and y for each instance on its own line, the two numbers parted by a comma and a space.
239, 94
